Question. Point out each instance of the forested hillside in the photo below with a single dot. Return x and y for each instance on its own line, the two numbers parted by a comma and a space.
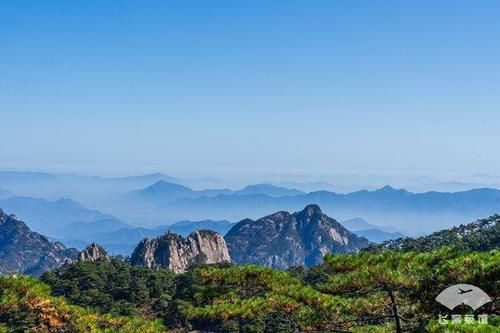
387, 292
482, 235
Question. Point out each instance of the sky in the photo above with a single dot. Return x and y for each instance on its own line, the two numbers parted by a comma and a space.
245, 88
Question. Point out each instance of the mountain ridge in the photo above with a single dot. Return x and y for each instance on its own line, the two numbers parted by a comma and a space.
47, 216
431, 210
124, 240
27, 251
164, 191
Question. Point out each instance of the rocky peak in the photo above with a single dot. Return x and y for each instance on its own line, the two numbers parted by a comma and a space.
177, 253
29, 252
282, 239
279, 215
93, 252
311, 210
4, 217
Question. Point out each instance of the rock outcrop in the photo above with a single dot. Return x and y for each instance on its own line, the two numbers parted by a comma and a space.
177, 253
28, 252
282, 239
93, 252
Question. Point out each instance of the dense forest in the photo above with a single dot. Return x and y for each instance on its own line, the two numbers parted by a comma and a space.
392, 291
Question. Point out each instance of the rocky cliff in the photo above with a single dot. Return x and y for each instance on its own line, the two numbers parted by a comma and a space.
93, 252
282, 239
25, 251
177, 253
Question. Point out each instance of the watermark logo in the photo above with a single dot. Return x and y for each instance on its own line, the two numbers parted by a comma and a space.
463, 294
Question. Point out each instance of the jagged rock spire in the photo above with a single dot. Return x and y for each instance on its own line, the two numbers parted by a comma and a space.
93, 252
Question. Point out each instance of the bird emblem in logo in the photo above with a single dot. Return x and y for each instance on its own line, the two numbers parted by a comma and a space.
465, 294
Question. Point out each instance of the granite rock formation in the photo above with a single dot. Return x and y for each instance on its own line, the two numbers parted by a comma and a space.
283, 239
177, 253
93, 252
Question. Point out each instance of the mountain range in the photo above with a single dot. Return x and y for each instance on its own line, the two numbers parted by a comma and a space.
76, 225
48, 216
81, 230
413, 212
279, 240
25, 251
120, 239
88, 190
373, 233
163, 191
123, 240
141, 207
158, 199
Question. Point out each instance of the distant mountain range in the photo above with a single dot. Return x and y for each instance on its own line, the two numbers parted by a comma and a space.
378, 236
85, 189
49, 216
141, 206
85, 229
357, 224
415, 212
372, 232
122, 241
269, 190
158, 199
163, 191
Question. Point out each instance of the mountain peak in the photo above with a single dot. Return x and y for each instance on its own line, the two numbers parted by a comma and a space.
311, 210
282, 239
29, 252
93, 252
68, 202
269, 190
163, 183
4, 216
387, 188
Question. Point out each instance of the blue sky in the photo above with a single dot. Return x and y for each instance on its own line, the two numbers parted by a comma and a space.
251, 87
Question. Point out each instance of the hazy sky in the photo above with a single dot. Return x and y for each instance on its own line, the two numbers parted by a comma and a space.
217, 87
